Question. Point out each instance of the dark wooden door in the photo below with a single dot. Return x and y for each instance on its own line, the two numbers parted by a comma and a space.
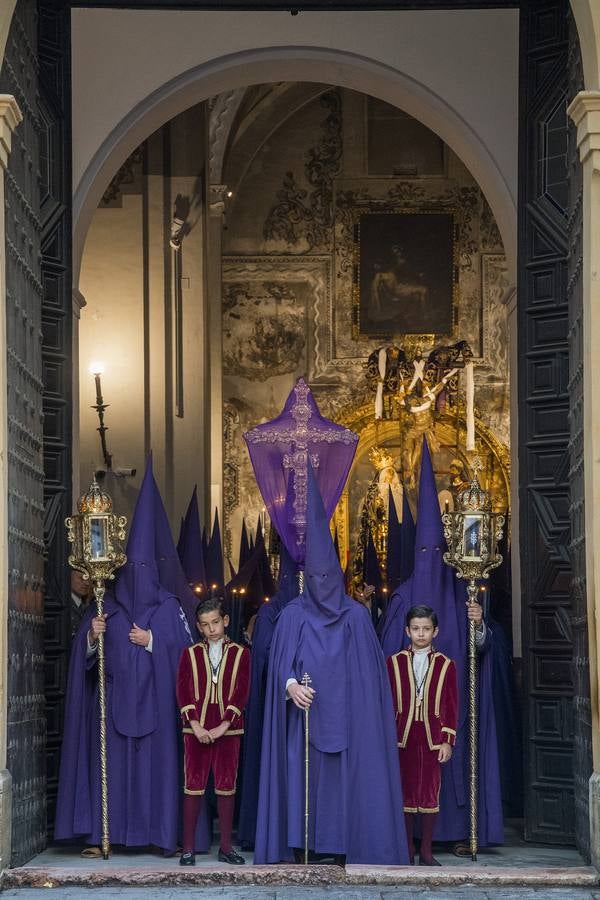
38, 309
57, 374
26, 721
549, 439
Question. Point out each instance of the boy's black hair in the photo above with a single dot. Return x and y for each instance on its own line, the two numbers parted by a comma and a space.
421, 612
213, 604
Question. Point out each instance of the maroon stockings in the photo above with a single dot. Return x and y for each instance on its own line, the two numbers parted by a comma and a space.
192, 804
427, 826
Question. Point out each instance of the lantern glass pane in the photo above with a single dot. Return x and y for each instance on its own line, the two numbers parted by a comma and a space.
472, 537
98, 537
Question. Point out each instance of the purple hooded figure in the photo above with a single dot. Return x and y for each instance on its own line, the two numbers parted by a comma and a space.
145, 635
261, 645
170, 572
434, 583
192, 548
354, 778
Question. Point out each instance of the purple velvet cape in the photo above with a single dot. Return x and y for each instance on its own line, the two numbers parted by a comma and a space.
354, 773
142, 715
261, 645
433, 583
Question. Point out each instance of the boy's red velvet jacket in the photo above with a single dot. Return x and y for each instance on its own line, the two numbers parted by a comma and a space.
196, 689
439, 706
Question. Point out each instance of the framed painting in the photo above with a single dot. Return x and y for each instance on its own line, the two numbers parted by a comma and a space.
405, 272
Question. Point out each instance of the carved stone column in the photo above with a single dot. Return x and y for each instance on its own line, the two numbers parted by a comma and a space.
10, 116
585, 113
216, 212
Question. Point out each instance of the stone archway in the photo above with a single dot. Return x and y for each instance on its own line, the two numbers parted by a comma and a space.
293, 64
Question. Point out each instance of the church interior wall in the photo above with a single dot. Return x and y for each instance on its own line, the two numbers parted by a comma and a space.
297, 171
457, 71
138, 291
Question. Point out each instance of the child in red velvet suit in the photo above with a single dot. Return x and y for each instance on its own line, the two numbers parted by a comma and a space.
425, 694
213, 683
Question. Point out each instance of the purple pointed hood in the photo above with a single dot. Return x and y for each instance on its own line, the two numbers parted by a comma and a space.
407, 544
192, 556
214, 558
137, 588
244, 546
324, 596
170, 572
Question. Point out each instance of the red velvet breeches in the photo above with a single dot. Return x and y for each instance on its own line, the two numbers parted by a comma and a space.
421, 773
222, 757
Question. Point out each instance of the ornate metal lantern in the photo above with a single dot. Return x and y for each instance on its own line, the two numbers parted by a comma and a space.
472, 532
96, 534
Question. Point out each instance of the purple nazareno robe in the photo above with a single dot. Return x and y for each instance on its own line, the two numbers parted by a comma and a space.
354, 777
434, 584
142, 715
262, 637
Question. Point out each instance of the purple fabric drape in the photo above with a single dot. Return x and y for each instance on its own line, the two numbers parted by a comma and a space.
281, 451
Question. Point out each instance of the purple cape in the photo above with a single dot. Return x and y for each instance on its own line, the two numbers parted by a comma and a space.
142, 716
261, 645
354, 773
433, 583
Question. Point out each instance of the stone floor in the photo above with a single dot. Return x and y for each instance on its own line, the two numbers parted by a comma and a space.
516, 869
308, 893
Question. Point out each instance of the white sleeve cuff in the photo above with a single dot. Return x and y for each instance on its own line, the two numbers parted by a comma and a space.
287, 684
148, 646
480, 635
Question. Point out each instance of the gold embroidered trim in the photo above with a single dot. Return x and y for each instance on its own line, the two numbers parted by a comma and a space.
449, 730
208, 688
234, 673
225, 793
438, 693
220, 679
194, 673
193, 793
398, 683
426, 687
411, 705
184, 709
237, 711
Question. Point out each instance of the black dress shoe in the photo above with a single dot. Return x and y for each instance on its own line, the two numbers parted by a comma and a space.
432, 861
233, 858
187, 859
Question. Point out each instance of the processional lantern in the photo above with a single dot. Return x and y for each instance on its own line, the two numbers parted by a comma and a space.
96, 535
472, 532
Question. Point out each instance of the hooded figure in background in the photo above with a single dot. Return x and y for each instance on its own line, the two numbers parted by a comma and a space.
262, 637
354, 778
434, 583
145, 634
170, 571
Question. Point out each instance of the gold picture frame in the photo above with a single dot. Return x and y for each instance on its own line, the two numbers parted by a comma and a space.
406, 273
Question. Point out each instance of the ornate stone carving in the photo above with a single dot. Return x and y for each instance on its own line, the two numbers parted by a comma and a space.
298, 213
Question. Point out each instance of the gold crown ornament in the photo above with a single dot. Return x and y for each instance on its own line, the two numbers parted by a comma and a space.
94, 500
381, 459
